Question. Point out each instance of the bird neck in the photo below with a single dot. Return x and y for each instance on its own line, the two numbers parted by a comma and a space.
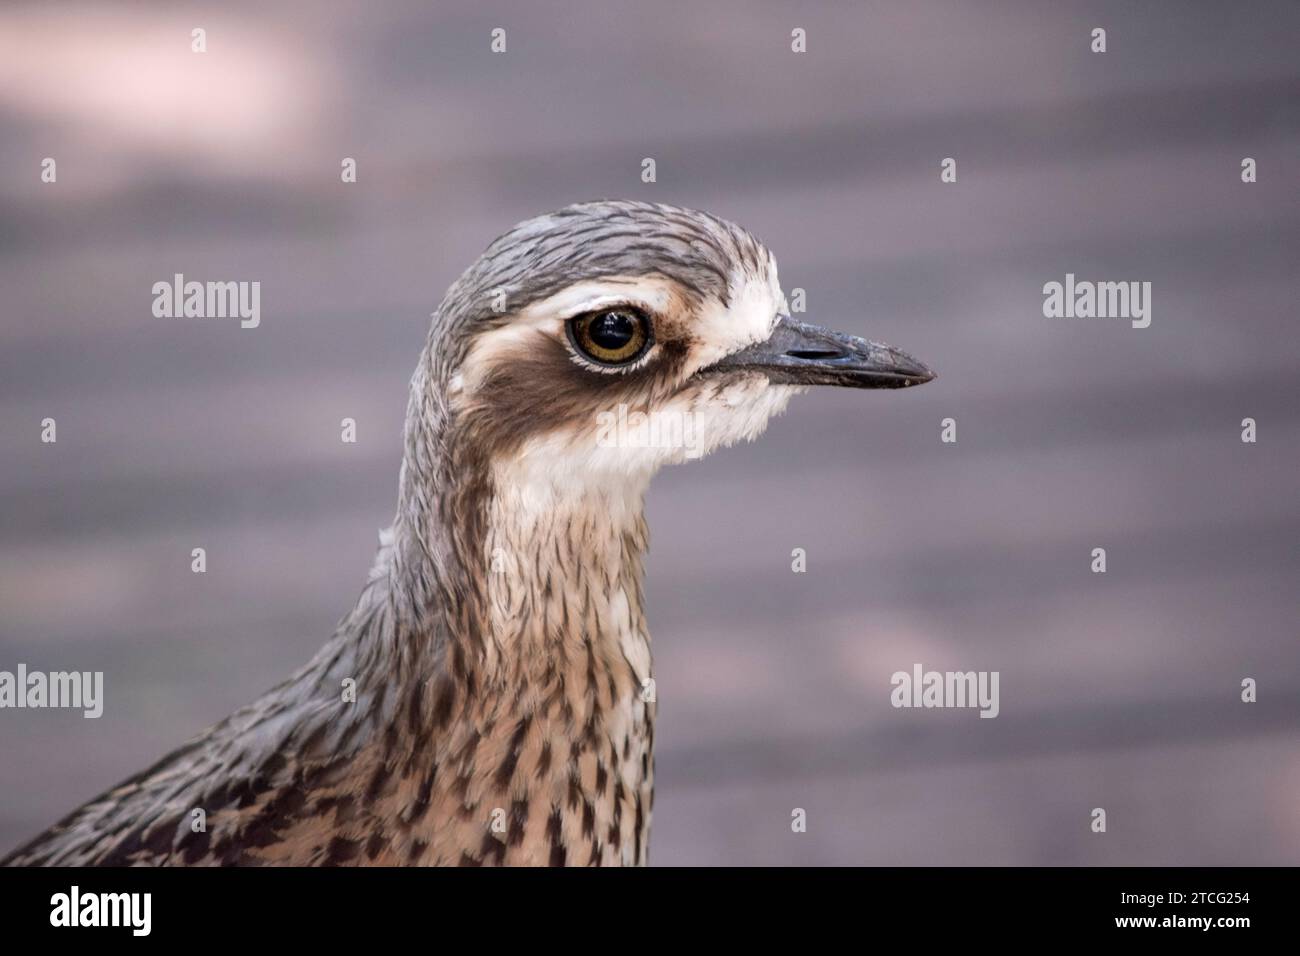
519, 683
514, 567
510, 572
511, 559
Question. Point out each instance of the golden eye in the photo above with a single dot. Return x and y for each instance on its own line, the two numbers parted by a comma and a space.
616, 336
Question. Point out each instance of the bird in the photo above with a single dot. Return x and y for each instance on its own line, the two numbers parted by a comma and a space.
485, 701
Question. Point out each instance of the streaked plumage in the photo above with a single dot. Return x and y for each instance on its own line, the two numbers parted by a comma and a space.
499, 647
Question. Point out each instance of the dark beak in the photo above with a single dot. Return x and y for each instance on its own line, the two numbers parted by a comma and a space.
799, 354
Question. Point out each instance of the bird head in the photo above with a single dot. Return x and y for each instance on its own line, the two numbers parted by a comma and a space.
587, 347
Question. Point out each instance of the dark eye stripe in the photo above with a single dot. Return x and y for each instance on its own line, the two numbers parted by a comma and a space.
611, 337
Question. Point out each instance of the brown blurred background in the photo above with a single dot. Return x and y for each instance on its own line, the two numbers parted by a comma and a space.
1118, 690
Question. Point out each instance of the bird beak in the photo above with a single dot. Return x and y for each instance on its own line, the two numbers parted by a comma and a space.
799, 354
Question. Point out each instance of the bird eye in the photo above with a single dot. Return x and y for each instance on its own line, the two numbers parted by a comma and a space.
611, 336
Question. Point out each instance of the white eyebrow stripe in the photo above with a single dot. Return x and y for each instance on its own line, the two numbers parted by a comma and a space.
649, 292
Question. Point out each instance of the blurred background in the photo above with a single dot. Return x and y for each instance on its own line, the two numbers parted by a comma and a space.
1118, 690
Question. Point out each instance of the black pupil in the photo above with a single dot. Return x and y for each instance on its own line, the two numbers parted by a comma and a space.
612, 330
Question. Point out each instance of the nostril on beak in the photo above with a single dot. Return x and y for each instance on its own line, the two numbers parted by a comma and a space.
814, 354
